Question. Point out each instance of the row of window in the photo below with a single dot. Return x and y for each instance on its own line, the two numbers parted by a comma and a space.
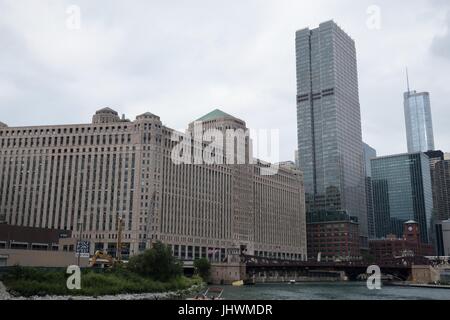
65, 141
55, 130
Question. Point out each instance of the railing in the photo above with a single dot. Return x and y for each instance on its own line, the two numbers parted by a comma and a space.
263, 261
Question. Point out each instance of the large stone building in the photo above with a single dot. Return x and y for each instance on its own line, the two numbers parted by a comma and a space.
84, 177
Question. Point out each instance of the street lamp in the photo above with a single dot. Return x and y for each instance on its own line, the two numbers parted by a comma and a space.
80, 230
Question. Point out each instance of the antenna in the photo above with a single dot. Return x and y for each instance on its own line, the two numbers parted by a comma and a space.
407, 80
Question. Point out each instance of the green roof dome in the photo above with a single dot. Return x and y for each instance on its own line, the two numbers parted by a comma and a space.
214, 115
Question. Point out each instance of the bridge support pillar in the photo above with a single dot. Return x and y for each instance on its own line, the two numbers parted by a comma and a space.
227, 273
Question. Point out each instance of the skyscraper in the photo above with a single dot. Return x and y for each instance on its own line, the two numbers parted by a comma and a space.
369, 153
419, 123
441, 187
329, 123
402, 192
434, 156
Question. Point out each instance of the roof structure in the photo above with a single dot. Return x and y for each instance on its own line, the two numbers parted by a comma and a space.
214, 115
106, 110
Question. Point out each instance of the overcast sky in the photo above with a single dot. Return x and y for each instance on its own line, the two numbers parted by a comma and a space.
181, 59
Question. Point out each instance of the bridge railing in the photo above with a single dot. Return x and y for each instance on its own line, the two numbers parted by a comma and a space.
263, 261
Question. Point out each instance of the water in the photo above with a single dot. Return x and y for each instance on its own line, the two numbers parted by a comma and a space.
331, 291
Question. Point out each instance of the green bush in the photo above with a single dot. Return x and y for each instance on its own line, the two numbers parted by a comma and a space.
157, 263
203, 268
31, 281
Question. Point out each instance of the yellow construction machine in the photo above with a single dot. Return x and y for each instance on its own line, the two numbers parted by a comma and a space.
103, 258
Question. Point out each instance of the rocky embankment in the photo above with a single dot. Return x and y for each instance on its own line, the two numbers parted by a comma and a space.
4, 295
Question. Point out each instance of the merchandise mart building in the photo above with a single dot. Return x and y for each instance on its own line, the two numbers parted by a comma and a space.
84, 177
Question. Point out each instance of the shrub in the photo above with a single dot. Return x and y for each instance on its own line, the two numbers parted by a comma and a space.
157, 263
203, 268
33, 281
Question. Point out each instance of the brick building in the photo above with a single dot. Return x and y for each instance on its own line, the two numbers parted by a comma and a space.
393, 248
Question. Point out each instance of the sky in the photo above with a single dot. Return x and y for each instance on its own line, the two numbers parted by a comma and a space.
60, 61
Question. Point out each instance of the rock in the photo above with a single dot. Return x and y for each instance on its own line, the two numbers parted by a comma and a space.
4, 295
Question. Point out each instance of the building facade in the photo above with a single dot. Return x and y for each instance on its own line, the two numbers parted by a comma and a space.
434, 157
392, 248
419, 123
443, 238
369, 153
84, 177
333, 237
329, 123
402, 192
441, 189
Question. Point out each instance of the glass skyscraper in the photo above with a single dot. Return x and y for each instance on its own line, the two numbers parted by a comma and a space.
419, 123
402, 192
329, 124
369, 154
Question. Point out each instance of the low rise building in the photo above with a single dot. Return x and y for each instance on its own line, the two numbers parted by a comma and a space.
333, 237
392, 248
37, 247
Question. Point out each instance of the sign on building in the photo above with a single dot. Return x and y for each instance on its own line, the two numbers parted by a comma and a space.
82, 249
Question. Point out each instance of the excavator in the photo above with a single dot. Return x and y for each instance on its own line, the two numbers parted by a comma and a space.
103, 258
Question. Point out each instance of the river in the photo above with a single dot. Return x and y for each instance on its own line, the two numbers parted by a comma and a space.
331, 291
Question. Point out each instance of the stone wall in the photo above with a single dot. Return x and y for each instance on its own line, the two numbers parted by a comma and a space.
227, 273
34, 258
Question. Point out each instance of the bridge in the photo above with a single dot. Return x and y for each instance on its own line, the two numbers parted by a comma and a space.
268, 268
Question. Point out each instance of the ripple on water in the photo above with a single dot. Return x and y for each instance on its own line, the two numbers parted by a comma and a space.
331, 291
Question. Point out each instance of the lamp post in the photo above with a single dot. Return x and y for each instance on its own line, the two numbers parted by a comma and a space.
80, 229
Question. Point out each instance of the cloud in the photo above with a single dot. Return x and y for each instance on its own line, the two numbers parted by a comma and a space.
441, 43
181, 59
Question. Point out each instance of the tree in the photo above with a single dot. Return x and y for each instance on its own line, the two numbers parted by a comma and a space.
203, 268
367, 257
157, 263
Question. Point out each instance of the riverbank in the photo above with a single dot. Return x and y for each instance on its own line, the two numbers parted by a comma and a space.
117, 283
171, 295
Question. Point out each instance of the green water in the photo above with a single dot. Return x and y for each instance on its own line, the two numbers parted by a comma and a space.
328, 291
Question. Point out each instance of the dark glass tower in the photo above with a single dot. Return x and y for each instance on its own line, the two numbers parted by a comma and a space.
441, 185
369, 153
329, 124
402, 192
